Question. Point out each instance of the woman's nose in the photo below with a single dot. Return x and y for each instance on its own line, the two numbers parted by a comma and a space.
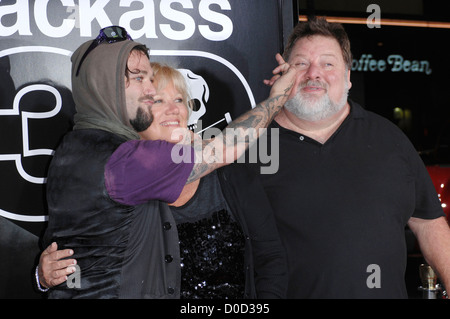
172, 108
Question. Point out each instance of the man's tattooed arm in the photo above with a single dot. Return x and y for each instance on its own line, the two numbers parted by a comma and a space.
233, 141
242, 132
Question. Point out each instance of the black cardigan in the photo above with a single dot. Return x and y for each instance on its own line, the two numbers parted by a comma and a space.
265, 258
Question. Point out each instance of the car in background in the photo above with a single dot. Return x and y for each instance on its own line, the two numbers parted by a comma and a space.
437, 161
440, 175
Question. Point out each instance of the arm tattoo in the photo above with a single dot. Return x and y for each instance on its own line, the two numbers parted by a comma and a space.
235, 139
200, 168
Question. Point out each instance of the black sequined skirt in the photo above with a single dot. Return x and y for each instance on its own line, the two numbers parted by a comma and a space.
212, 258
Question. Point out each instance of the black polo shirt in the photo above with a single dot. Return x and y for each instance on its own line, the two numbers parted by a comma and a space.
341, 207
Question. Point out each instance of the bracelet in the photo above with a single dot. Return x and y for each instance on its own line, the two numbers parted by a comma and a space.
39, 287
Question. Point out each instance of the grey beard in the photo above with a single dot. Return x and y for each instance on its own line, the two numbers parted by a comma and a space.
309, 110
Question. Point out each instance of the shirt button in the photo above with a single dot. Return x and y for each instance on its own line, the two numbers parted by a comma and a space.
301, 137
171, 290
167, 226
168, 258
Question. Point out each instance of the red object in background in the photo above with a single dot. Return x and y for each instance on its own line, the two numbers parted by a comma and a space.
440, 176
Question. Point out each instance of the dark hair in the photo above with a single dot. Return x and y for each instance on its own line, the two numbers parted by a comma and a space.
320, 26
141, 48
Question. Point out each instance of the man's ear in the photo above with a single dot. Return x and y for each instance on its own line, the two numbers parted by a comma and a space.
348, 80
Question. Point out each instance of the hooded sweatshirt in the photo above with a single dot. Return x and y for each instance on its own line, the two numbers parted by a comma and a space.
99, 88
107, 191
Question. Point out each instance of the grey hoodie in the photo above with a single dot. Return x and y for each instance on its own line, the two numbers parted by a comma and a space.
99, 92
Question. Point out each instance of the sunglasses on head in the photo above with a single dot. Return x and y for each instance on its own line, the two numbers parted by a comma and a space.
110, 34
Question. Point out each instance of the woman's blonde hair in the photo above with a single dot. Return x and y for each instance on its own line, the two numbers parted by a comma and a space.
164, 75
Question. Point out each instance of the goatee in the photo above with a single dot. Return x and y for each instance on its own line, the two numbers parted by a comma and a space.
310, 108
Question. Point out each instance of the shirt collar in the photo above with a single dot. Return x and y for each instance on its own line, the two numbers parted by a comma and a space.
356, 110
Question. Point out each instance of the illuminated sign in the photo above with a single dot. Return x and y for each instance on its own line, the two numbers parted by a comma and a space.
393, 63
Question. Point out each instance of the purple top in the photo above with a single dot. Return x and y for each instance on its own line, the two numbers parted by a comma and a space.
139, 171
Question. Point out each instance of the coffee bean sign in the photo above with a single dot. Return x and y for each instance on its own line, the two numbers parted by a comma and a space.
393, 63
